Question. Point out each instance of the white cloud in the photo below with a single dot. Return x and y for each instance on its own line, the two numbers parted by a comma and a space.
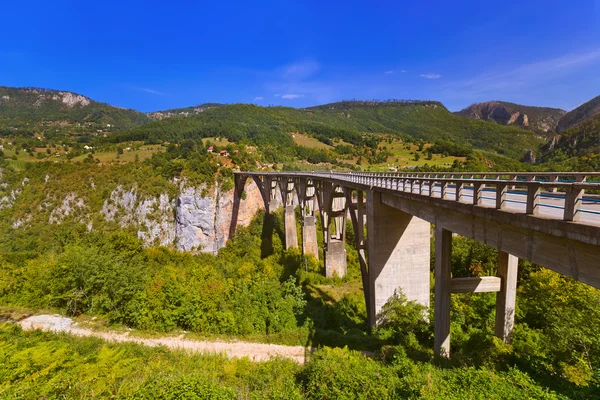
291, 96
403, 71
299, 71
297, 80
431, 76
151, 91
525, 75
388, 72
258, 98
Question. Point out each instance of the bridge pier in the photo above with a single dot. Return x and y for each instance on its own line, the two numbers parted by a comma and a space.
286, 187
507, 296
443, 271
335, 259
305, 189
505, 286
309, 236
291, 234
399, 255
395, 253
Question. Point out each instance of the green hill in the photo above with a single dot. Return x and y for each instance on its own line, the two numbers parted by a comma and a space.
542, 119
34, 110
354, 122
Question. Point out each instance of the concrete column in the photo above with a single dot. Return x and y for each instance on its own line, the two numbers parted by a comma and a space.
335, 259
507, 296
398, 255
291, 235
443, 269
309, 237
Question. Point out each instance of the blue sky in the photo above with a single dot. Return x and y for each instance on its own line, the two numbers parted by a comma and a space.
152, 55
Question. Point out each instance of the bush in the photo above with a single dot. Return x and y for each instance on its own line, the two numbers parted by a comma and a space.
344, 374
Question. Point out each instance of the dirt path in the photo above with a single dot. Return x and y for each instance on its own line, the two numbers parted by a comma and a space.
254, 351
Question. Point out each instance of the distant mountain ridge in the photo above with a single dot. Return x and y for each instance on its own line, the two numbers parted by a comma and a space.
580, 114
544, 119
26, 106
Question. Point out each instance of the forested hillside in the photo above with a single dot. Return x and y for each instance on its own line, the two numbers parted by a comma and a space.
353, 122
36, 111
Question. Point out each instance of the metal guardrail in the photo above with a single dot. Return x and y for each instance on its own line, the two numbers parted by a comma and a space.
534, 186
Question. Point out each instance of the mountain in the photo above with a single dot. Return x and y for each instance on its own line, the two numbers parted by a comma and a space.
542, 119
35, 109
186, 111
580, 114
581, 140
353, 121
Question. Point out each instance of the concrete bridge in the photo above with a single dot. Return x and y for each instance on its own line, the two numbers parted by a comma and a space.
551, 219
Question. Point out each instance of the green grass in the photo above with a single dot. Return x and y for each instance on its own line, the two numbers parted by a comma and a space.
143, 153
307, 141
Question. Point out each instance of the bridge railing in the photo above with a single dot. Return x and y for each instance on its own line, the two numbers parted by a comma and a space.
524, 192
477, 187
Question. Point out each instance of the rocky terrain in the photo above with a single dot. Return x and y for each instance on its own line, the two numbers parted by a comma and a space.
542, 119
196, 218
179, 112
580, 114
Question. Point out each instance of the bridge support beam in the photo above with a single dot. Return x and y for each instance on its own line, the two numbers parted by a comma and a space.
507, 296
291, 234
310, 245
398, 256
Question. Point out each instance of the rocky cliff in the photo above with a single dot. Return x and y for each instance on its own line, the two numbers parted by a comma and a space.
186, 217
535, 118
202, 221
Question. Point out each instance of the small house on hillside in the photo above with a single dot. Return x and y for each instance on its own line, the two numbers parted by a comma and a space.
211, 149
224, 153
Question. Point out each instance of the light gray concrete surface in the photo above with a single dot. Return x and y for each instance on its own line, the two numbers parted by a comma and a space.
551, 205
309, 237
335, 259
399, 256
291, 234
